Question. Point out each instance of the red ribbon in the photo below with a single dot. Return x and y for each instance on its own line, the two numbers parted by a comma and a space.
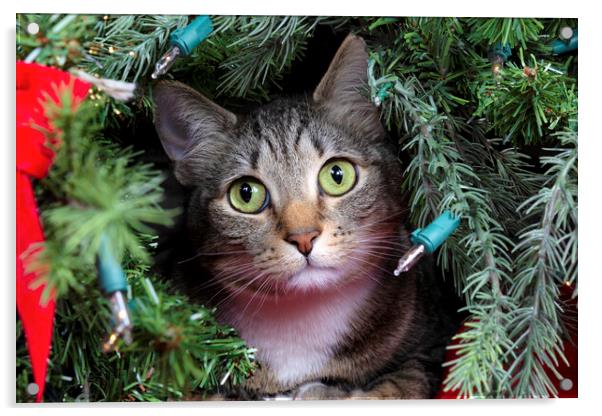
35, 83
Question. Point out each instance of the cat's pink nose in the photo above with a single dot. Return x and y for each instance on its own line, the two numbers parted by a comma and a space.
304, 241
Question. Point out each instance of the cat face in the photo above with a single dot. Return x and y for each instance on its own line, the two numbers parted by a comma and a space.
298, 195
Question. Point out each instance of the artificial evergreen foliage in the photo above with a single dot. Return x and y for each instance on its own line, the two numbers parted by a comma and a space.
486, 121
95, 190
511, 31
127, 46
523, 103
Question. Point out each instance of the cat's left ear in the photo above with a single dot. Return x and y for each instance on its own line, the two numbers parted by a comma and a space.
184, 119
343, 91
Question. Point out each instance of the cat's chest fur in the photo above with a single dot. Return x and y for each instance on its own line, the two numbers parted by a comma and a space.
296, 336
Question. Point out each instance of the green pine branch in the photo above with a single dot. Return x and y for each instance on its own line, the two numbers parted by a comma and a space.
94, 190
57, 41
546, 258
437, 167
524, 104
127, 47
262, 49
511, 31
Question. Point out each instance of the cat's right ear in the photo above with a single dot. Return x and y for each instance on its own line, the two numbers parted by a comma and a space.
343, 91
184, 118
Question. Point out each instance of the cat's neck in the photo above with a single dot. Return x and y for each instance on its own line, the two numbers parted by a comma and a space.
298, 333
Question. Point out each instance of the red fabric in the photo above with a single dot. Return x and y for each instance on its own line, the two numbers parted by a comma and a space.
568, 372
33, 160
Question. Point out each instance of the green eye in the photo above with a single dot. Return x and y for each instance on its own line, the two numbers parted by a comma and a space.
337, 177
248, 195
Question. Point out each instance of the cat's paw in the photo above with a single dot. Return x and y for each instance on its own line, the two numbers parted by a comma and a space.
388, 390
318, 391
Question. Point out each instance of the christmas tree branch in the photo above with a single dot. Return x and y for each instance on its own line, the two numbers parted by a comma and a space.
94, 191
262, 48
525, 103
544, 265
511, 31
127, 47
436, 160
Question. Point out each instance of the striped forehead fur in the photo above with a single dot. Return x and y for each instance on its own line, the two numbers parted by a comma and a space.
275, 133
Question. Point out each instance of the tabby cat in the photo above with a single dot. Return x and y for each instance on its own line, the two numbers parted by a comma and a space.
296, 216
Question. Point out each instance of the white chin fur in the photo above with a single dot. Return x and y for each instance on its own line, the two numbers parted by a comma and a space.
315, 278
296, 335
